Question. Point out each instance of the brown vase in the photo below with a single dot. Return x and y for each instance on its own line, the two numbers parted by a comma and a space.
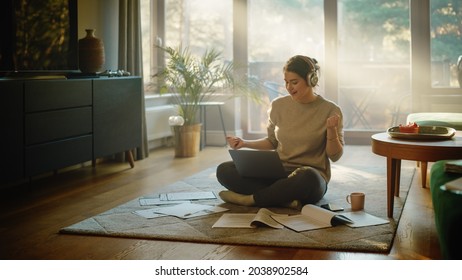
187, 140
91, 53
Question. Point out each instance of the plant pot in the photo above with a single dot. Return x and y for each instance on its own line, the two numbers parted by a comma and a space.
187, 140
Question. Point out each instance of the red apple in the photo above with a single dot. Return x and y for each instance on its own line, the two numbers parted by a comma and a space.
411, 127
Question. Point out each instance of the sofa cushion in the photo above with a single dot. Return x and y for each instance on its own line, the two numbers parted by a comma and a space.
453, 120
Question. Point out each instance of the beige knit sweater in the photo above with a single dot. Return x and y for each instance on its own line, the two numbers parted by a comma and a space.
298, 132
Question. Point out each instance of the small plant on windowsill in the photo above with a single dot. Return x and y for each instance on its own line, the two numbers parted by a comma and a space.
194, 80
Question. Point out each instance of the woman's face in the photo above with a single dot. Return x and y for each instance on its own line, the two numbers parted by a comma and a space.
297, 87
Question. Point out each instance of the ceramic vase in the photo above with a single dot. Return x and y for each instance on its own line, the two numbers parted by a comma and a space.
91, 53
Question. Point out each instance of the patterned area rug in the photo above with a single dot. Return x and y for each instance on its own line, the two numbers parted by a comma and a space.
121, 222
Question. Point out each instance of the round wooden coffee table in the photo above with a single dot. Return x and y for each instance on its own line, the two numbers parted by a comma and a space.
419, 150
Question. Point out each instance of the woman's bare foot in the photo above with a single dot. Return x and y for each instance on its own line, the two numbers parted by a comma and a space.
237, 198
296, 204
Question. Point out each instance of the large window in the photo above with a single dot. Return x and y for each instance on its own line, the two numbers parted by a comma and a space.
195, 24
200, 24
373, 63
363, 48
277, 30
446, 42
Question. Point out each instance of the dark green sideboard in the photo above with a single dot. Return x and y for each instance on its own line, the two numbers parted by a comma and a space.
54, 123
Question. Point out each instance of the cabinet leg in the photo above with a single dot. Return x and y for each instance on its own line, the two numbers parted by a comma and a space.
129, 156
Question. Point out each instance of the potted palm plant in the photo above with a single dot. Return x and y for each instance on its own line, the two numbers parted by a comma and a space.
193, 80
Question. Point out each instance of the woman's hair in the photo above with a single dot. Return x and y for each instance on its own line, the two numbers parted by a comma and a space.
301, 65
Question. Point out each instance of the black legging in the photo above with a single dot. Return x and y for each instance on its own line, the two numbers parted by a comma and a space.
304, 184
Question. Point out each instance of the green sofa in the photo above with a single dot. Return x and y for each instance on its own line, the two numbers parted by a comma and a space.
453, 120
448, 211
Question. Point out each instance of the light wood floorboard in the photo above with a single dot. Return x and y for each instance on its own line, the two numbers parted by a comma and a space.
32, 213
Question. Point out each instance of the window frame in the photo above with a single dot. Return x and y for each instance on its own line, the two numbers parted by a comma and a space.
424, 95
422, 92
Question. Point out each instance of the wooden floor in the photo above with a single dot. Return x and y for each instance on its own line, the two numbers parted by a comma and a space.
32, 213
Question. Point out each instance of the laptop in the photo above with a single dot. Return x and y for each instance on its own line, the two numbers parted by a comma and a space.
258, 164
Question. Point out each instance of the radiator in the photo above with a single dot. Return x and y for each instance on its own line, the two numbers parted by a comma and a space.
157, 121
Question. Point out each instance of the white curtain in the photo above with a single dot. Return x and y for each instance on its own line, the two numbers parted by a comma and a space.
130, 54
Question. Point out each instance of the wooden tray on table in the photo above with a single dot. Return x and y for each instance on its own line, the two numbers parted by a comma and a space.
425, 133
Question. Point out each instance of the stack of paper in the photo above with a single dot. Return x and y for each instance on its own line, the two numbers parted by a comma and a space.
183, 210
454, 185
363, 219
178, 204
176, 198
187, 196
454, 166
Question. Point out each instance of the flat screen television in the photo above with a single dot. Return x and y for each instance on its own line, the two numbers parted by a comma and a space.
38, 36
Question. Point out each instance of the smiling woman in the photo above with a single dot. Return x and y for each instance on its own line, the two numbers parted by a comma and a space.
301, 78
306, 130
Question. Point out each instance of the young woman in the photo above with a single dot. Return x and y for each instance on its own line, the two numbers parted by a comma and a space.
307, 132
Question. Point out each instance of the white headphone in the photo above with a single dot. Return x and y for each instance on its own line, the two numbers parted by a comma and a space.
312, 76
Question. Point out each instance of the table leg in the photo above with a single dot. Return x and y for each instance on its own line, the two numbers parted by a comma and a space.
393, 165
397, 176
423, 173
203, 116
223, 124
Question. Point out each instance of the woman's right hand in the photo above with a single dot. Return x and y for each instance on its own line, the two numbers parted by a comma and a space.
235, 142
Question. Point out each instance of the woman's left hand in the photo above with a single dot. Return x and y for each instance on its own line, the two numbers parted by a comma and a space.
333, 121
